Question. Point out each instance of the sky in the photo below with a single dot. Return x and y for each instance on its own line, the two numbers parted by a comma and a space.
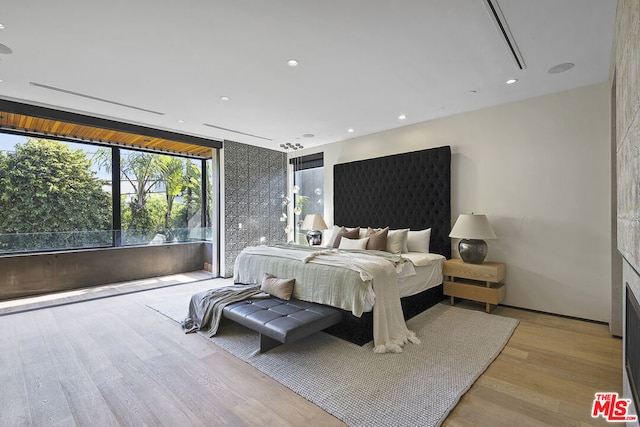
7, 141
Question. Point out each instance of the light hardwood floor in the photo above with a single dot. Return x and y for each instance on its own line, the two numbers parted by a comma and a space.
114, 361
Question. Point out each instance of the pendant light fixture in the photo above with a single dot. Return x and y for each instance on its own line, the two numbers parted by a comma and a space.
289, 197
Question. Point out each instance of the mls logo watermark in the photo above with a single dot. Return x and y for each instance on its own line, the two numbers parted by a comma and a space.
611, 408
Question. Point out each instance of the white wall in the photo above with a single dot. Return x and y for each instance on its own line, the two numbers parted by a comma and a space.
540, 170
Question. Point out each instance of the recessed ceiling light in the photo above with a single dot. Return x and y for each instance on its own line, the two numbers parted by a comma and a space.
560, 68
180, 121
511, 81
224, 98
1, 27
308, 135
1, 80
350, 130
402, 117
292, 63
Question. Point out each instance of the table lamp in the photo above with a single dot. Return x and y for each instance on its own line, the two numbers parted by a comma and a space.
314, 223
473, 230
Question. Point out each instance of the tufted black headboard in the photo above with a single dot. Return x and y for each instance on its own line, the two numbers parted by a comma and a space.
409, 190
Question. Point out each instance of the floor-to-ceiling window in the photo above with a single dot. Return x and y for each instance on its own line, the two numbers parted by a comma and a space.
161, 198
52, 195
308, 179
59, 195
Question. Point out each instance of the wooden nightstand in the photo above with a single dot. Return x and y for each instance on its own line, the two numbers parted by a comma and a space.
480, 282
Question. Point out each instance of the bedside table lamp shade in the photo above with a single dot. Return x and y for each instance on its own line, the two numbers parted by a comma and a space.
314, 223
473, 230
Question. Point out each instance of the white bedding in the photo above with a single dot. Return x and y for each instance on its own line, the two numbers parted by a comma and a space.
373, 269
428, 273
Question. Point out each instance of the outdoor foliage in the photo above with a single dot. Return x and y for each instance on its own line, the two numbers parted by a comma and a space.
162, 203
51, 199
158, 195
47, 187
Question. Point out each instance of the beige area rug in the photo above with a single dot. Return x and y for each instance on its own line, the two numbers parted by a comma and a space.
418, 387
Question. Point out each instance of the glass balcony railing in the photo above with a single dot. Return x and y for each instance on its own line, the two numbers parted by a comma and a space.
174, 235
18, 243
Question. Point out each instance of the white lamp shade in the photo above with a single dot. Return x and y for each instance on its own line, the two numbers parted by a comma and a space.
313, 222
472, 226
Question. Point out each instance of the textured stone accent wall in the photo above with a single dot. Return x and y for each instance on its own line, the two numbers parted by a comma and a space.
628, 152
254, 183
628, 129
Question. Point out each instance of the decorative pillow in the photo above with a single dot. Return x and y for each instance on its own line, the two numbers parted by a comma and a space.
346, 243
397, 240
281, 288
349, 234
377, 239
418, 241
334, 234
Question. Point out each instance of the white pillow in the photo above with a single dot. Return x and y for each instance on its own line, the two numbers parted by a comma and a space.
334, 233
418, 241
397, 241
353, 243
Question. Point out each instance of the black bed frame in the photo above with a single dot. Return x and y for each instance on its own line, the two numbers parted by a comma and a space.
409, 190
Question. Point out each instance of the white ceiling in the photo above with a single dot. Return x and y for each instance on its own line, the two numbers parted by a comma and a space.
362, 62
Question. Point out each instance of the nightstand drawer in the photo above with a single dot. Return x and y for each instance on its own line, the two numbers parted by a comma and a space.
488, 272
475, 292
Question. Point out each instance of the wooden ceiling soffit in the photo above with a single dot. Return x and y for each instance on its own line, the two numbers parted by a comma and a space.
45, 122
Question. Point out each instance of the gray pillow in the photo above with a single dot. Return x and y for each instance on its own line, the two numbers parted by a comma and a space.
353, 234
377, 239
281, 288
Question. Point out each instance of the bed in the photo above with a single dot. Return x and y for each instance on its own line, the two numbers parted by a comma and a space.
402, 191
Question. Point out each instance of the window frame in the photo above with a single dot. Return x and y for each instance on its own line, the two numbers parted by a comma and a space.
116, 212
303, 163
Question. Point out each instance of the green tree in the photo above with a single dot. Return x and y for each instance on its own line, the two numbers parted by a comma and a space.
141, 170
146, 175
47, 187
192, 192
186, 214
172, 174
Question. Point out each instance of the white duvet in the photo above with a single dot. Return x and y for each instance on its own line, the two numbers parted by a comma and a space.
390, 332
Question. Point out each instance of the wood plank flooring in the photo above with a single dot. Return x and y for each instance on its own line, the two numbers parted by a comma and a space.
546, 375
114, 361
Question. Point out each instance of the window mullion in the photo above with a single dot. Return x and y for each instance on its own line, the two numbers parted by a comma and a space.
115, 196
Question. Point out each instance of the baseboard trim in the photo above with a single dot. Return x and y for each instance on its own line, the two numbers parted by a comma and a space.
556, 314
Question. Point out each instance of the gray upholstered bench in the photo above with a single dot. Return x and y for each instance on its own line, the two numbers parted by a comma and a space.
279, 321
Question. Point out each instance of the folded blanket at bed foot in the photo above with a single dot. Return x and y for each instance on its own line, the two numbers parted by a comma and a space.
205, 308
